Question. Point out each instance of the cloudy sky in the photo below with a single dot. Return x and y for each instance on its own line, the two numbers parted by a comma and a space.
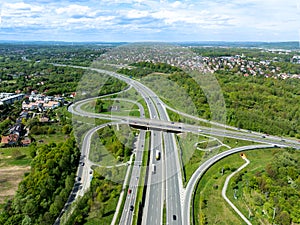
150, 20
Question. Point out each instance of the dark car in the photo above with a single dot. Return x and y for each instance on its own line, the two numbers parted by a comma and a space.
174, 217
131, 208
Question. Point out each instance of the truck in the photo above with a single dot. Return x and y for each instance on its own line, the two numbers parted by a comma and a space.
153, 168
157, 155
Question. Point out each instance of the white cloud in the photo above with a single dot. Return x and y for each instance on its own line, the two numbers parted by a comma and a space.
233, 17
73, 10
136, 14
9, 9
176, 4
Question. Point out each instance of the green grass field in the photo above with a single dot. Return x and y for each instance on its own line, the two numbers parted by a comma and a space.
193, 157
209, 206
123, 108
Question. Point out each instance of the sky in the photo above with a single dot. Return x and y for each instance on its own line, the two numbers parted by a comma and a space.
150, 20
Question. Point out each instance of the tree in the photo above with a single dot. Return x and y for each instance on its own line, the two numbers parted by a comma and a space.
67, 129
283, 218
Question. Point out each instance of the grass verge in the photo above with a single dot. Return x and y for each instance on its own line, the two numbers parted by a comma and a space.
209, 206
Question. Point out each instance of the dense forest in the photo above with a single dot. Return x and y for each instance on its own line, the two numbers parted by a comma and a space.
275, 190
261, 104
44, 191
42, 77
140, 69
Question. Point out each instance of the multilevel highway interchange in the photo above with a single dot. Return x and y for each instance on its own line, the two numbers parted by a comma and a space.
164, 181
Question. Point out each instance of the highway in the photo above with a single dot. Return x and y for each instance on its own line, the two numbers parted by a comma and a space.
128, 210
127, 213
166, 182
154, 195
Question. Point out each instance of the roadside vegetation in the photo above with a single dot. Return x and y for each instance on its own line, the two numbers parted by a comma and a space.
195, 149
112, 144
268, 189
257, 194
117, 107
98, 205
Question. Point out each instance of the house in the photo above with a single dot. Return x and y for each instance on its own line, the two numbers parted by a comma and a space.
10, 139
51, 105
26, 142
9, 98
44, 119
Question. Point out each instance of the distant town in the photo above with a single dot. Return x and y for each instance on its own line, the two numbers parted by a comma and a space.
33, 105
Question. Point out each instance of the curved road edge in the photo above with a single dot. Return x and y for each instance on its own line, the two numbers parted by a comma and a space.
201, 170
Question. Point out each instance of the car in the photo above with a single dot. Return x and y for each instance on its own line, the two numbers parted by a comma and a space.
82, 163
263, 136
129, 191
174, 217
91, 171
131, 208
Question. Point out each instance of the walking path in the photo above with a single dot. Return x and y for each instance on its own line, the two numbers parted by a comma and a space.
225, 189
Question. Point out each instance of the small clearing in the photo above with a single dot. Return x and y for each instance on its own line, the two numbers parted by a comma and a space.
9, 180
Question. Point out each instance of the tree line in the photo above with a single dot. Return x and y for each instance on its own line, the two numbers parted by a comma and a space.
43, 192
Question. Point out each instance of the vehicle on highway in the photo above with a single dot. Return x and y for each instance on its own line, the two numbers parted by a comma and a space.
129, 191
131, 208
153, 168
157, 155
174, 217
82, 163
